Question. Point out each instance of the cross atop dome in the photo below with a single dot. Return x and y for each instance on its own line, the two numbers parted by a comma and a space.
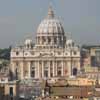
50, 12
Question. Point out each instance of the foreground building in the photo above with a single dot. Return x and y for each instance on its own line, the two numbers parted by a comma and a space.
91, 56
53, 55
91, 61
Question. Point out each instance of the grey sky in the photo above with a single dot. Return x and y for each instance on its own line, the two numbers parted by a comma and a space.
20, 18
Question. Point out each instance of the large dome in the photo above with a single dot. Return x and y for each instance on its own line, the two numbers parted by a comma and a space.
50, 32
50, 24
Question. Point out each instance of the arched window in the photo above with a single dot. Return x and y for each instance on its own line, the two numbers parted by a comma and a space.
32, 70
46, 69
45, 73
59, 69
17, 53
74, 71
11, 91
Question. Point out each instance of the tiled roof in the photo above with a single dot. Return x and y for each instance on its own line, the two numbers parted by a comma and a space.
71, 91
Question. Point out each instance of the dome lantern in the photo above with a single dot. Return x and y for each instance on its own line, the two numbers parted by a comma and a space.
50, 13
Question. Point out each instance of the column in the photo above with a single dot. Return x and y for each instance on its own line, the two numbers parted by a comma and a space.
52, 40
78, 64
21, 71
69, 68
46, 39
42, 69
62, 68
49, 69
56, 68
12, 67
53, 68
29, 69
38, 70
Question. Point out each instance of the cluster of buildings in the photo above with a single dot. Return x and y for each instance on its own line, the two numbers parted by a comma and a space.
52, 68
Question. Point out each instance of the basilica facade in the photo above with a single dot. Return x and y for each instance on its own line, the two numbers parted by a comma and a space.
52, 55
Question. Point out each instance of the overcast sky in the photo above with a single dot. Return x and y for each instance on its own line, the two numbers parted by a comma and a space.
19, 19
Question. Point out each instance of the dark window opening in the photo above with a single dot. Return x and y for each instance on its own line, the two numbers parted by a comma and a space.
75, 52
16, 73
51, 74
49, 40
33, 74
45, 73
75, 71
11, 91
17, 53
59, 73
55, 40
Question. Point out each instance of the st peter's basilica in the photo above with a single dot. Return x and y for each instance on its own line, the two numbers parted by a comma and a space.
52, 55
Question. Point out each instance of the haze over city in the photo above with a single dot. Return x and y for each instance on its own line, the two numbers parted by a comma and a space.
49, 50
19, 19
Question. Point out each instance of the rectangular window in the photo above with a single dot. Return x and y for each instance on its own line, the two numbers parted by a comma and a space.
33, 74
45, 73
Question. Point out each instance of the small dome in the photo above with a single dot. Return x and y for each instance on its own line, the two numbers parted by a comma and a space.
70, 43
28, 42
50, 24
